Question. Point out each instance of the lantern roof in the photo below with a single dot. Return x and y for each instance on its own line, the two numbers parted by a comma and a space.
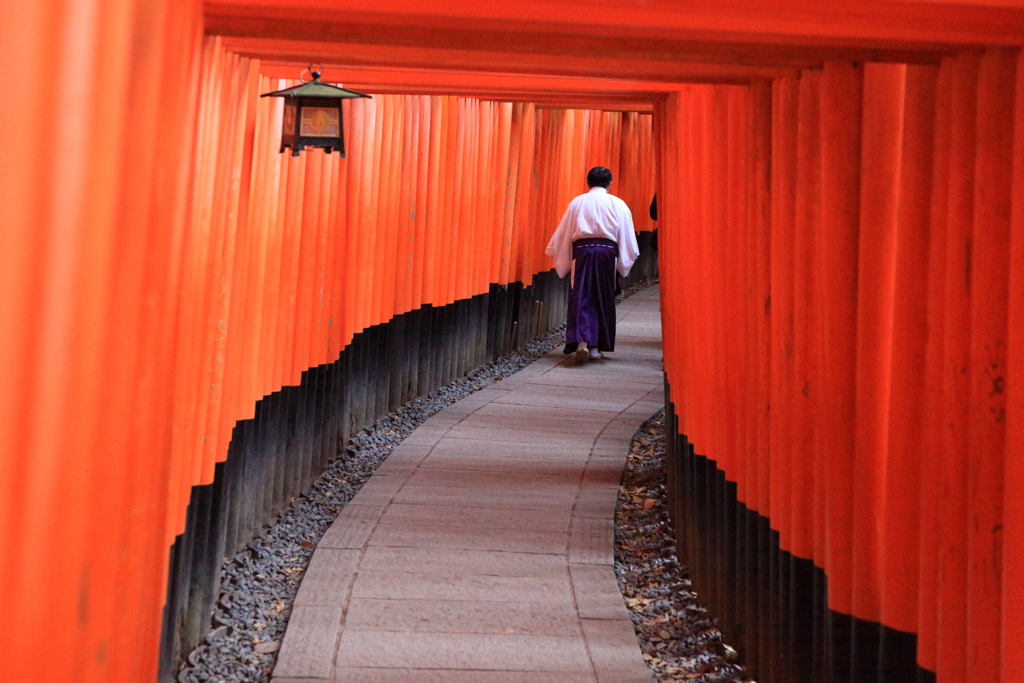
316, 88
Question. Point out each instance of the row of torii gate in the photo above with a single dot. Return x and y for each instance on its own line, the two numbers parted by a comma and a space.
841, 255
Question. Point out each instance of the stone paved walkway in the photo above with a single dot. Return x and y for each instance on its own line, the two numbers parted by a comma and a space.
481, 550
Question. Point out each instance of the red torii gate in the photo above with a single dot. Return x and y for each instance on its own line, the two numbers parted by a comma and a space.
877, 207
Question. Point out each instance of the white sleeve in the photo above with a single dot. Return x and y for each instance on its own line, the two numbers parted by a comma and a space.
560, 246
628, 248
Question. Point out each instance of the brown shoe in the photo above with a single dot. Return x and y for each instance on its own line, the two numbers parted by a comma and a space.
582, 353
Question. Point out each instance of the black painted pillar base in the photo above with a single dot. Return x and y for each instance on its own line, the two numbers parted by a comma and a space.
770, 605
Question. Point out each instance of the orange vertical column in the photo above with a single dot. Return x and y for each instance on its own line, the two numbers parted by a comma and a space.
184, 461
841, 97
210, 203
952, 561
800, 414
989, 278
677, 209
786, 118
228, 282
246, 270
733, 328
291, 259
407, 244
430, 292
533, 122
668, 151
442, 274
699, 253
379, 170
742, 124
344, 244
704, 166
678, 202
715, 230
761, 305
758, 261
420, 208
141, 572
508, 154
106, 489
350, 217
319, 341
882, 141
664, 156
485, 215
465, 237
28, 38
1012, 621
684, 197
306, 272
502, 167
901, 529
279, 267
460, 253
519, 202
690, 327
690, 324
330, 231
363, 228
748, 345
932, 428
392, 208
267, 170
476, 227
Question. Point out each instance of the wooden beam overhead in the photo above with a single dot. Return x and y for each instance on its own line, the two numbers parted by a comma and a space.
663, 59
480, 84
732, 29
481, 48
354, 56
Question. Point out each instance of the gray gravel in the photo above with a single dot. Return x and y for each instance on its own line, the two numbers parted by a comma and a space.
677, 636
259, 585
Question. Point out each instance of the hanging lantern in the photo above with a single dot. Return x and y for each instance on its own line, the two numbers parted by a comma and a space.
312, 115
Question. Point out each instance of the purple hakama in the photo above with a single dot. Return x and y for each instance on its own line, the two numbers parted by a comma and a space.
591, 316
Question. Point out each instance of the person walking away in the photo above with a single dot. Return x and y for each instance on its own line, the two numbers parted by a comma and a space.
594, 240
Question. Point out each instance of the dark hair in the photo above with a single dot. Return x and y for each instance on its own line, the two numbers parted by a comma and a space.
599, 176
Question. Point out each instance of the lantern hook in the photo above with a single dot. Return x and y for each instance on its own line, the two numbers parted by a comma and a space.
312, 72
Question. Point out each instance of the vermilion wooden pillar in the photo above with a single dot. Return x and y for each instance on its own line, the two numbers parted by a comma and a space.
800, 419
785, 113
932, 403
882, 142
761, 291
841, 105
907, 462
1012, 622
989, 273
952, 561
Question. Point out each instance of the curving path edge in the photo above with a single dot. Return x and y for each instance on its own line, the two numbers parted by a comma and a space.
482, 548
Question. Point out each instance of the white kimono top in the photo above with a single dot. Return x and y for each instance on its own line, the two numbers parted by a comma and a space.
595, 214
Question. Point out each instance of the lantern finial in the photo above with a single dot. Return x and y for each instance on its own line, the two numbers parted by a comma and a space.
314, 72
